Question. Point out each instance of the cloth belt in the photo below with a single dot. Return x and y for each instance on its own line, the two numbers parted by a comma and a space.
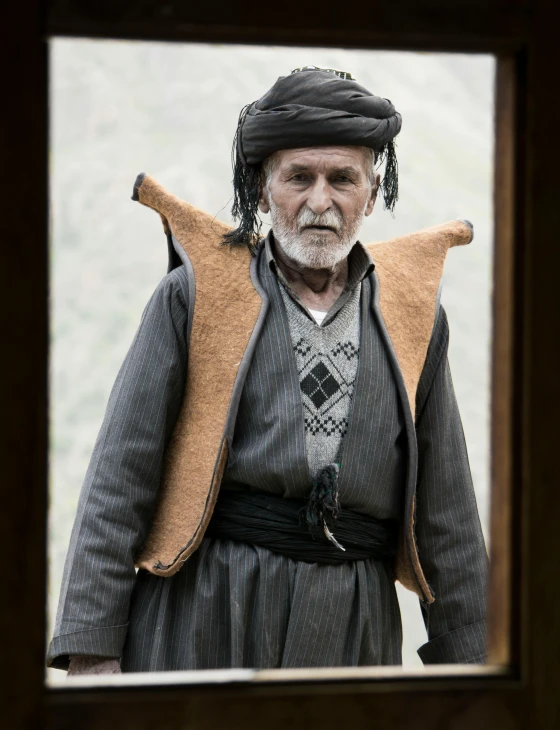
279, 524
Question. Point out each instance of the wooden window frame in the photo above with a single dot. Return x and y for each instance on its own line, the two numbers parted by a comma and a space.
518, 688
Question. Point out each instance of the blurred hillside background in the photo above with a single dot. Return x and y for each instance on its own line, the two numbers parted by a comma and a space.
120, 108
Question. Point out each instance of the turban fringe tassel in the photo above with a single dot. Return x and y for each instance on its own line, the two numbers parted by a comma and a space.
390, 183
247, 187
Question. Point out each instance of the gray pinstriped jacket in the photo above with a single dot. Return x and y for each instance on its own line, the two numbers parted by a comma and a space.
116, 504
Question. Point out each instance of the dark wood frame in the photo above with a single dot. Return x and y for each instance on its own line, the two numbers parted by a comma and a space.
523, 632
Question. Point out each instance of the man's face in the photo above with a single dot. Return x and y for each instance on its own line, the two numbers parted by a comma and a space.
317, 198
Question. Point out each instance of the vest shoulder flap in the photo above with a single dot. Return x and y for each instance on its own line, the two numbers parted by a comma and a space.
226, 309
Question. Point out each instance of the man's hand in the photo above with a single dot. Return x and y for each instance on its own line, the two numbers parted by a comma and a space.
80, 665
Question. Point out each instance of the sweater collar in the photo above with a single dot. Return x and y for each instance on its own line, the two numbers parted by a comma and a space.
360, 266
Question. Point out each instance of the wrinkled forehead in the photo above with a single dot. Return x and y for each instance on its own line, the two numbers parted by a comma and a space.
322, 157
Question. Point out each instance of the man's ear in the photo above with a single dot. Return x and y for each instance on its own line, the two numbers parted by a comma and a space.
264, 205
373, 195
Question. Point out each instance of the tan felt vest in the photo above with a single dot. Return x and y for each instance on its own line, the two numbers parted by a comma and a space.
226, 308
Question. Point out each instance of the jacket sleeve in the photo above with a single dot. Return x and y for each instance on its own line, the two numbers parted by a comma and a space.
119, 492
449, 535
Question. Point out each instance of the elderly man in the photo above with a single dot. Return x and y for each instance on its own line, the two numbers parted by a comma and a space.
283, 441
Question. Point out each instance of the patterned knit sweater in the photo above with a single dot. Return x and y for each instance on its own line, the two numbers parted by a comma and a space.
327, 362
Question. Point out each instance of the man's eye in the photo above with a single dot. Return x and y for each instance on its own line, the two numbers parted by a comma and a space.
299, 178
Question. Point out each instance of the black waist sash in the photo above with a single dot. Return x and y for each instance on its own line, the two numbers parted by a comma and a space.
279, 524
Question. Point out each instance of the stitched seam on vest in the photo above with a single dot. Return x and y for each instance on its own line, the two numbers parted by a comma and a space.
211, 491
190, 312
411, 547
250, 349
411, 433
232, 411
192, 287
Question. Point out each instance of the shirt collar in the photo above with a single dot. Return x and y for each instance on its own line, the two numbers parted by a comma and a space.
360, 263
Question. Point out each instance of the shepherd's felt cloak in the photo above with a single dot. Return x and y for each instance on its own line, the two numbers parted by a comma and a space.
226, 316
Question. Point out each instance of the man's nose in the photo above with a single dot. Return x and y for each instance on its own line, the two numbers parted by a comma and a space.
319, 197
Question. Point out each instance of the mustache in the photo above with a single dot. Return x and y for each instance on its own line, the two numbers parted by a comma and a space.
331, 218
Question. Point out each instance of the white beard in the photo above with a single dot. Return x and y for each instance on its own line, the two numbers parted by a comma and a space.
311, 249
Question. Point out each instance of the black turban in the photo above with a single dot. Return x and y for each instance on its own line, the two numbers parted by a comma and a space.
310, 107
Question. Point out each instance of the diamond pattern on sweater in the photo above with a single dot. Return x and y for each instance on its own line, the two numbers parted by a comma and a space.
302, 348
319, 385
327, 362
347, 348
